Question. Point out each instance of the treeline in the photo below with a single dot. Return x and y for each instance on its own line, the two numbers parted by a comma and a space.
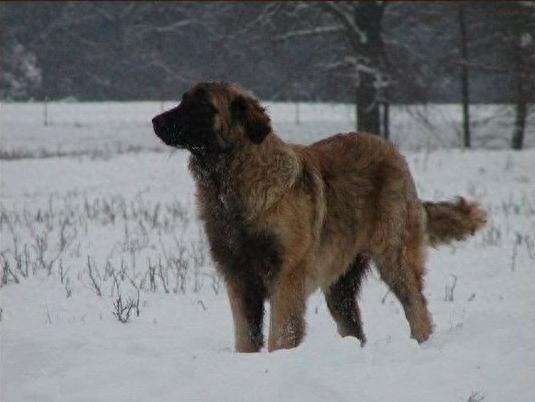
283, 51
371, 53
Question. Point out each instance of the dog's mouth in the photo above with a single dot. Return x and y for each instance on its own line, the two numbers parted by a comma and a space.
169, 135
175, 138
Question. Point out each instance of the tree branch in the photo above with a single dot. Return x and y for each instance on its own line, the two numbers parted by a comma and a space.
355, 35
309, 32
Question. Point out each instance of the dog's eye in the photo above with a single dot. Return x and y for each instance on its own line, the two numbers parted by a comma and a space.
207, 105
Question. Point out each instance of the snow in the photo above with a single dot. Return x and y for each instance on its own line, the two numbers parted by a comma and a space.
133, 209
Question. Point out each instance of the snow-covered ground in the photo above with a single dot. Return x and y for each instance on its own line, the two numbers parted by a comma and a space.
92, 207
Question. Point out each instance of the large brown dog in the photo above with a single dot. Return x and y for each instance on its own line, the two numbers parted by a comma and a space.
284, 220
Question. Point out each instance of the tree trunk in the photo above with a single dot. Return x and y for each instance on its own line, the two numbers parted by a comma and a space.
517, 140
368, 116
368, 17
465, 94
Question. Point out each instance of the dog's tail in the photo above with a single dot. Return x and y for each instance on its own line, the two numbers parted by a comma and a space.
447, 221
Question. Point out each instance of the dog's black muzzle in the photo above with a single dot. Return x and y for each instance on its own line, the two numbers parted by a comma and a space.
166, 128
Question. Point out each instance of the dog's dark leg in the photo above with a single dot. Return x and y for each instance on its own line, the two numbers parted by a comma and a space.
342, 302
247, 305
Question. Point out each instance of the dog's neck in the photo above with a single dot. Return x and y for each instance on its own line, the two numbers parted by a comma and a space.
215, 164
209, 169
248, 180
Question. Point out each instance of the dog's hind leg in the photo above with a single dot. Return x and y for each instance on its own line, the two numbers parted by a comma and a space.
247, 305
402, 272
341, 298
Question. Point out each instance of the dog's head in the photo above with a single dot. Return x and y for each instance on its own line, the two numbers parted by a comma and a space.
213, 118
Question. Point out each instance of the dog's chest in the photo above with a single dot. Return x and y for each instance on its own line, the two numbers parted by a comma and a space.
239, 248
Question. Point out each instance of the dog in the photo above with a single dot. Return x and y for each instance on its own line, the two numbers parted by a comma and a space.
284, 220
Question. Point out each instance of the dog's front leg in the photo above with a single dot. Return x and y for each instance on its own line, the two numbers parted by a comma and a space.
247, 305
288, 303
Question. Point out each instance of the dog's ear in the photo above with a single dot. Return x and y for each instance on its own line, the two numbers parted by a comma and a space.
252, 117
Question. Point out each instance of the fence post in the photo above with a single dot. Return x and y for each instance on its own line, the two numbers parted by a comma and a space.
45, 112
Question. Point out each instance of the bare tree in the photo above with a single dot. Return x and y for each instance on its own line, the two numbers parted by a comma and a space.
361, 22
20, 74
521, 37
98, 49
512, 41
359, 26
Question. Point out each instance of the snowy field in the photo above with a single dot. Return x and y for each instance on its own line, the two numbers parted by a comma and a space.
107, 291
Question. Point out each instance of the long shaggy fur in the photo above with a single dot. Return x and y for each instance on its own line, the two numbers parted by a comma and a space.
283, 220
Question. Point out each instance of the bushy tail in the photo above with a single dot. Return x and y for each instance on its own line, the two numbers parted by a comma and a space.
452, 220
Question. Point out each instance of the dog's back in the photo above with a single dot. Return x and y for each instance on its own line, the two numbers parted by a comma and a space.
367, 182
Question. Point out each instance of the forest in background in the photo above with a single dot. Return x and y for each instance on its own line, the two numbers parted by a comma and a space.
370, 53
282, 51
